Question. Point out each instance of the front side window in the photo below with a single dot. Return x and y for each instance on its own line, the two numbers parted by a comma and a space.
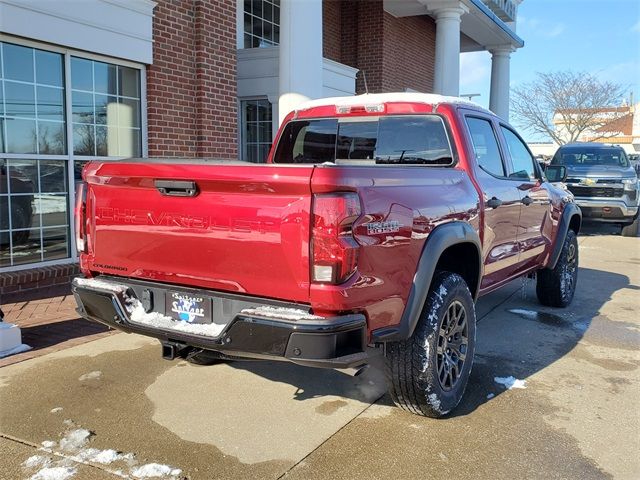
521, 159
485, 146
261, 23
392, 140
256, 129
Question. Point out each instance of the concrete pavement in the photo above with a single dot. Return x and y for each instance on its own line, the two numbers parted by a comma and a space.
578, 416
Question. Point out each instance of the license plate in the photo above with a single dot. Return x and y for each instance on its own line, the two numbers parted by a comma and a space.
187, 308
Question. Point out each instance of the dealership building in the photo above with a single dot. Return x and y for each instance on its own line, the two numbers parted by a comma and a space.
110, 79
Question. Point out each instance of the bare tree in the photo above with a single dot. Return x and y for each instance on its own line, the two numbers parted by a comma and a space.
567, 106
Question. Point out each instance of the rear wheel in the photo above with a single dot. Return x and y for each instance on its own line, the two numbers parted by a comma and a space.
556, 287
428, 373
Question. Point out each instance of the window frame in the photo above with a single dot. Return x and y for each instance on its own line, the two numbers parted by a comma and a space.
240, 13
67, 53
242, 121
501, 147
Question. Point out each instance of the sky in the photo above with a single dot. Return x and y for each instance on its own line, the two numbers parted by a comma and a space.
601, 37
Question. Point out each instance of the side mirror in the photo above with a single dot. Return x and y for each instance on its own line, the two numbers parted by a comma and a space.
556, 173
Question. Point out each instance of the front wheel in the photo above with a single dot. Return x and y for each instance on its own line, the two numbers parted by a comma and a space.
428, 373
556, 287
630, 229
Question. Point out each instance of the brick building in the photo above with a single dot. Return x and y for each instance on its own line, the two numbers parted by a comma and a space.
110, 79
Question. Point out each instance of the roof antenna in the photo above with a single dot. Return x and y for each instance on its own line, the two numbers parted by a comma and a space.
364, 77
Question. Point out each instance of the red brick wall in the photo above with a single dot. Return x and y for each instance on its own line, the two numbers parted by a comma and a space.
332, 29
395, 53
191, 85
409, 53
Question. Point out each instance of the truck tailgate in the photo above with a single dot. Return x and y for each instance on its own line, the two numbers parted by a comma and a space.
245, 230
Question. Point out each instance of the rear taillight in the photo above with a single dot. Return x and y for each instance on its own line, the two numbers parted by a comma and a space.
334, 250
80, 217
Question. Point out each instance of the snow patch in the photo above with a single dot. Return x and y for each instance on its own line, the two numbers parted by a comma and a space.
90, 376
157, 320
75, 439
530, 314
48, 444
54, 473
281, 312
104, 457
510, 382
151, 470
23, 347
100, 284
56, 409
36, 461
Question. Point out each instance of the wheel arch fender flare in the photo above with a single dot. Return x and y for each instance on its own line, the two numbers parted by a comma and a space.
571, 218
439, 240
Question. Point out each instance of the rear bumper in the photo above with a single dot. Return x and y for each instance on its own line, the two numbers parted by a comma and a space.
607, 210
336, 342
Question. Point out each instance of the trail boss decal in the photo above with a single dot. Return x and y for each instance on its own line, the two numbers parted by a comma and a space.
376, 228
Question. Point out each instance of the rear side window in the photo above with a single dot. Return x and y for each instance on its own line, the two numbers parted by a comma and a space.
392, 140
485, 146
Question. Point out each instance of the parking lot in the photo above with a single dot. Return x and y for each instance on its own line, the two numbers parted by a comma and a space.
112, 408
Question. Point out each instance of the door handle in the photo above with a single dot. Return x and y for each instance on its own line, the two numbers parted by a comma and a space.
176, 188
494, 202
527, 200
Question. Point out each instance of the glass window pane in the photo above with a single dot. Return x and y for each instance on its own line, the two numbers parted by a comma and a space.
26, 247
255, 42
485, 146
53, 176
357, 141
247, 23
18, 62
81, 74
257, 8
55, 242
51, 136
78, 165
50, 103
21, 136
276, 16
48, 68
129, 113
106, 110
264, 132
2, 144
521, 159
53, 209
264, 152
264, 111
247, 6
267, 10
20, 99
251, 131
1, 100
247, 40
106, 141
129, 82
23, 213
82, 107
128, 142
23, 176
413, 140
105, 78
83, 140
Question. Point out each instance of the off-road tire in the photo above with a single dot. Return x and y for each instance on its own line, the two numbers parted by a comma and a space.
414, 367
630, 229
556, 287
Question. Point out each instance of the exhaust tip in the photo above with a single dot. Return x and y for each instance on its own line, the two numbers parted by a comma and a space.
354, 371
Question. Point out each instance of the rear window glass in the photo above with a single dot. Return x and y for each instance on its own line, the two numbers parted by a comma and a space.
392, 140
590, 156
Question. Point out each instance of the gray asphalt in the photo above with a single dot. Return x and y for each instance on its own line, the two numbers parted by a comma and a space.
578, 417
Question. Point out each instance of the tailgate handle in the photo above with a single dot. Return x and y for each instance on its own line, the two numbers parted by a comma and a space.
177, 188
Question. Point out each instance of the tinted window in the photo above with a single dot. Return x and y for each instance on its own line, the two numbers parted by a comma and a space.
485, 146
589, 156
521, 159
388, 140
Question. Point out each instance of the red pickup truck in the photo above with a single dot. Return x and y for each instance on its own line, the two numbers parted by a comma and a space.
377, 221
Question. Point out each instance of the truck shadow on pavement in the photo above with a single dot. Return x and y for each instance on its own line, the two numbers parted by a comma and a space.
517, 338
522, 337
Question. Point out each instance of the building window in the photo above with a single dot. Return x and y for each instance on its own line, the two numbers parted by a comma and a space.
36, 184
261, 23
256, 130
105, 109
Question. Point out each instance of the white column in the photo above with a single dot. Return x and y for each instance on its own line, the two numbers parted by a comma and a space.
499, 94
300, 53
446, 79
